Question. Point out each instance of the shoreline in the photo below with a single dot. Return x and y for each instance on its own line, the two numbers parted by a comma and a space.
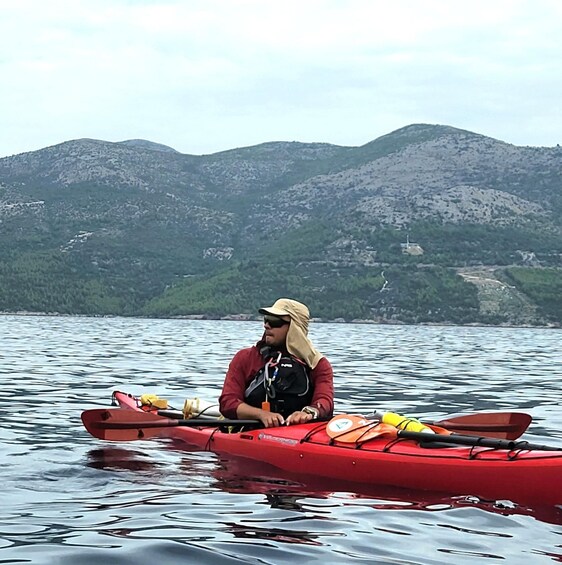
251, 318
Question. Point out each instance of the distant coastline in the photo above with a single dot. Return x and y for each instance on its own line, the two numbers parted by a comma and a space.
249, 318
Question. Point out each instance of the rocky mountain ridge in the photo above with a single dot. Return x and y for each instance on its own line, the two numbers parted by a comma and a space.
141, 216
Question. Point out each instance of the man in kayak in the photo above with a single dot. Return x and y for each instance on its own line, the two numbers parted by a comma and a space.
282, 379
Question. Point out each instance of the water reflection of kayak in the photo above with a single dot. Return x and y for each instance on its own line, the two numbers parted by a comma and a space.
294, 492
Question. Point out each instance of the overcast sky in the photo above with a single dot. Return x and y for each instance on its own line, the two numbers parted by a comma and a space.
210, 75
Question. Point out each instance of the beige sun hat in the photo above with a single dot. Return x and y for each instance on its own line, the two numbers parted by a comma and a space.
297, 341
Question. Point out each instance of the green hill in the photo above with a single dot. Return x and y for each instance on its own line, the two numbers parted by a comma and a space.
384, 232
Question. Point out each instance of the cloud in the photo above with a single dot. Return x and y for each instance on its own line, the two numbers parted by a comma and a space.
204, 76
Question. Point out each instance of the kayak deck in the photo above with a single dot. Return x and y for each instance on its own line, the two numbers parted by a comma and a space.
525, 476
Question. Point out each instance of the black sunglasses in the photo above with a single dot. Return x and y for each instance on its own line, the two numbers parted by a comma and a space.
275, 322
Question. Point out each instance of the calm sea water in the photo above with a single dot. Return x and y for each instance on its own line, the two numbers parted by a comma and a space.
70, 499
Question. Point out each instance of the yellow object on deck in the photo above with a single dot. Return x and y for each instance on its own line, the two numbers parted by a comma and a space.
154, 401
405, 423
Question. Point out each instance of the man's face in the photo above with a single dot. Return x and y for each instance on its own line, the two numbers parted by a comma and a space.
276, 329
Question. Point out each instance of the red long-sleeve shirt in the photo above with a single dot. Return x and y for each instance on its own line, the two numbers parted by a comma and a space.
247, 362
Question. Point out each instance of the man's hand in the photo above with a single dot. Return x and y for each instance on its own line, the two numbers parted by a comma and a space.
270, 419
267, 418
299, 418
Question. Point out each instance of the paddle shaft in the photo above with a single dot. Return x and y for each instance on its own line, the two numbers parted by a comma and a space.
462, 423
475, 441
170, 423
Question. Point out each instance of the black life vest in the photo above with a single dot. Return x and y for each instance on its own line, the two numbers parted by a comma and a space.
284, 381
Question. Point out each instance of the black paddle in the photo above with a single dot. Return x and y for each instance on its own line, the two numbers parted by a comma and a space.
475, 441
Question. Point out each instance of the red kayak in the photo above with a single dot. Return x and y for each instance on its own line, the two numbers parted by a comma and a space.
527, 476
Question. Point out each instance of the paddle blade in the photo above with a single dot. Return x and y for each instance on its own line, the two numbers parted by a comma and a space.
129, 424
501, 425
